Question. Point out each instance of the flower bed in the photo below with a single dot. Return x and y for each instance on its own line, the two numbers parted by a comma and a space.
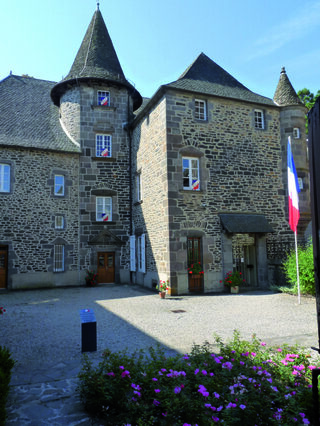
246, 383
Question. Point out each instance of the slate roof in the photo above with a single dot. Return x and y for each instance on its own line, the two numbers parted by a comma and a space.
244, 223
285, 94
96, 60
206, 77
28, 117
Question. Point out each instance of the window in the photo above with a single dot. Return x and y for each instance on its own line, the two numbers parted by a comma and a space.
296, 133
138, 187
103, 209
194, 251
200, 110
141, 253
190, 169
132, 253
103, 98
258, 119
300, 182
59, 222
59, 185
58, 265
103, 145
4, 178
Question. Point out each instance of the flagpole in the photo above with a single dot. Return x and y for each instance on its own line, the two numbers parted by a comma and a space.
297, 264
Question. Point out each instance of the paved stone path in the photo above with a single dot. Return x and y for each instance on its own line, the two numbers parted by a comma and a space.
42, 330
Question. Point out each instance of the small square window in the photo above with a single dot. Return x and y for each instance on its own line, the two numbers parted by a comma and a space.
258, 119
104, 209
59, 185
103, 98
200, 110
4, 178
300, 182
103, 146
296, 133
190, 169
59, 222
58, 265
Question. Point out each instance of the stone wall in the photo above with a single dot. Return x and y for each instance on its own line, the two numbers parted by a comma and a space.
27, 219
151, 214
104, 176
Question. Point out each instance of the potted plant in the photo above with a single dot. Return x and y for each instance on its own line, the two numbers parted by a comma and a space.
195, 269
91, 278
233, 280
163, 286
2, 310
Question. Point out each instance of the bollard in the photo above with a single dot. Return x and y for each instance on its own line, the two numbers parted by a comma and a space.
88, 330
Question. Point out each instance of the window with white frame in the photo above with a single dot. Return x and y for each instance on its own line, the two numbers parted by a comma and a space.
258, 119
59, 222
103, 98
190, 170
4, 178
138, 187
296, 133
59, 185
142, 253
103, 209
58, 258
132, 253
200, 111
300, 182
103, 145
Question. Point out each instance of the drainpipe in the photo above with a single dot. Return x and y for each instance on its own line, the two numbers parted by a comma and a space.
130, 174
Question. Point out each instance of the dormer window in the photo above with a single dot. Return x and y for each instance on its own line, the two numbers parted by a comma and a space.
103, 98
296, 133
258, 119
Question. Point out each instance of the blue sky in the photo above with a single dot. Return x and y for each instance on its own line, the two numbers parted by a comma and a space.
157, 40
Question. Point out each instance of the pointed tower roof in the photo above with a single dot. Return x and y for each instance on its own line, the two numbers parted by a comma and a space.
206, 77
96, 60
285, 94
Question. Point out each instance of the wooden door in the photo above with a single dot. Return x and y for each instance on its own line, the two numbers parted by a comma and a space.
105, 267
3, 267
194, 256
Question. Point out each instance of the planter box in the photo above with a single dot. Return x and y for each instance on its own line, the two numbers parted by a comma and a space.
234, 289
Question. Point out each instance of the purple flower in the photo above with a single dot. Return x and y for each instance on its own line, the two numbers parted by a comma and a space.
157, 390
242, 406
215, 419
216, 395
154, 379
231, 405
204, 372
177, 389
196, 371
227, 365
156, 403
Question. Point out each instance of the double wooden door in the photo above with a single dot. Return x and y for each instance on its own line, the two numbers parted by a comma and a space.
105, 267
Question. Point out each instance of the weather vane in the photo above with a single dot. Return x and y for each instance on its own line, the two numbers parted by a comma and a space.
98, 3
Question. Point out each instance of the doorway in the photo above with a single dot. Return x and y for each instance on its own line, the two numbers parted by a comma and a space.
105, 269
194, 256
3, 267
244, 257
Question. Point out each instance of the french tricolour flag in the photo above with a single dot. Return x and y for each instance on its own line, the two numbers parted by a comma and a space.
293, 190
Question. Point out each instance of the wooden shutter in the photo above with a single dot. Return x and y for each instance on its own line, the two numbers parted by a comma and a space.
132, 253
143, 253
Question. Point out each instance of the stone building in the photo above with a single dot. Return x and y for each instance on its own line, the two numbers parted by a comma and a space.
94, 177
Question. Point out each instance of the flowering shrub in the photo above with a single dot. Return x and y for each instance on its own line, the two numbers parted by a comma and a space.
91, 278
245, 383
2, 310
195, 268
232, 279
163, 286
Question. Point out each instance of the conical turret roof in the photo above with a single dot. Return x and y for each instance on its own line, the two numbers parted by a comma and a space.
96, 60
285, 94
207, 77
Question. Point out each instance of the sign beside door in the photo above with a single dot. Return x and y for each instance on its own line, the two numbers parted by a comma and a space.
105, 267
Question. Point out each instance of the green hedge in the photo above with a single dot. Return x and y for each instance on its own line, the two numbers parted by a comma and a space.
6, 365
306, 270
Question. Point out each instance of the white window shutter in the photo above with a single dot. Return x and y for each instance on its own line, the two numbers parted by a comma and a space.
132, 253
143, 253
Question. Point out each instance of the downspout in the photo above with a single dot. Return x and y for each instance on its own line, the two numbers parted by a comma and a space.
130, 177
